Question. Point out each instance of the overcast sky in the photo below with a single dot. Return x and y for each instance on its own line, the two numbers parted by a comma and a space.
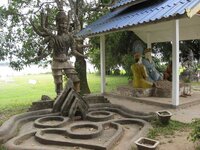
3, 2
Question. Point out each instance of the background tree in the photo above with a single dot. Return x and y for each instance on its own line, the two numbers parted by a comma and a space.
164, 49
22, 44
188, 45
118, 51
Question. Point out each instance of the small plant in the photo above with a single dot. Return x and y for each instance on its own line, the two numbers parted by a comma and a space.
197, 148
116, 72
195, 134
162, 129
186, 80
2, 148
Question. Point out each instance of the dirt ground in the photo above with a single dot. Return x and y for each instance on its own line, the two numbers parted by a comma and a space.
177, 141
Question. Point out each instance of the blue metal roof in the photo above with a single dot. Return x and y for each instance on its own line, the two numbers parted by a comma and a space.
139, 14
126, 2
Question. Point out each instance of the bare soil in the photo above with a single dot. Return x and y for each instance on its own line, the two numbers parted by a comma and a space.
178, 141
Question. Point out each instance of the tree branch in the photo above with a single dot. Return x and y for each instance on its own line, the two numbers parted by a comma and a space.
44, 23
39, 32
59, 4
100, 5
40, 7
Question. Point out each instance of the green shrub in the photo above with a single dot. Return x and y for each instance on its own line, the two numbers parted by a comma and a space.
116, 72
127, 62
2, 148
195, 134
159, 66
161, 129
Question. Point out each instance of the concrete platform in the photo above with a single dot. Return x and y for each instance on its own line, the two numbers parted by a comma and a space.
186, 112
159, 101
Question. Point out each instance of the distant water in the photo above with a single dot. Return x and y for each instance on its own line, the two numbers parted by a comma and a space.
6, 71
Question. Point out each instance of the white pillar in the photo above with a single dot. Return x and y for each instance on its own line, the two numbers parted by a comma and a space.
102, 57
148, 40
175, 64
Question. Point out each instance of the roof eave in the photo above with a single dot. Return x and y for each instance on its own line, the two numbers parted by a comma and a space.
193, 11
128, 28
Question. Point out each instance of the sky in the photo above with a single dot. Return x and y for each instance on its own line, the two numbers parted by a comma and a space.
3, 2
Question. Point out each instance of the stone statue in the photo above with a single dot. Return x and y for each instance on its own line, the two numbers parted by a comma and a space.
168, 72
153, 74
139, 73
188, 73
60, 44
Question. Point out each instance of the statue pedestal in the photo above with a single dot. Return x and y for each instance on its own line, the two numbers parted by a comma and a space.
140, 92
134, 92
163, 89
185, 89
159, 92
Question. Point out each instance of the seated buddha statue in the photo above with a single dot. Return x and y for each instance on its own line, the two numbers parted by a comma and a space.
153, 73
139, 73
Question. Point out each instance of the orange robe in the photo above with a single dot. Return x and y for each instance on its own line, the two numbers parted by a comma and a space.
140, 76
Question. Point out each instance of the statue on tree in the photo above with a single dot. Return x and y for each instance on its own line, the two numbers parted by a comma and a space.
59, 44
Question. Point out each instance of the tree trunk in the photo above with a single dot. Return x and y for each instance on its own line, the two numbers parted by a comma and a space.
80, 63
80, 66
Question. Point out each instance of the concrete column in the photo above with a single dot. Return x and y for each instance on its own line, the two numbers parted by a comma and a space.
148, 40
175, 64
102, 58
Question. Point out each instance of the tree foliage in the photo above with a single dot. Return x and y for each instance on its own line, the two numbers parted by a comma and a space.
118, 47
21, 45
188, 45
165, 49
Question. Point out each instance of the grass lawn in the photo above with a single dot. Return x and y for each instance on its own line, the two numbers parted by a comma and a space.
17, 94
21, 91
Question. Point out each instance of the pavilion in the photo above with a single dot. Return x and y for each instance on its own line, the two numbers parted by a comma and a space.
153, 21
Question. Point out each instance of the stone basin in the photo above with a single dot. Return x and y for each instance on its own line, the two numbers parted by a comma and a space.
112, 128
146, 144
100, 115
164, 116
51, 122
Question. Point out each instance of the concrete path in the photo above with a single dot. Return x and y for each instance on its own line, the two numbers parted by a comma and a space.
180, 114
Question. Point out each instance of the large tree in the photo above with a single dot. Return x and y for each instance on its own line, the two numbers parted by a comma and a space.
188, 45
22, 46
119, 51
165, 49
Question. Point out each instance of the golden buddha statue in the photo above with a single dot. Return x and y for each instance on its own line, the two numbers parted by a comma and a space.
139, 73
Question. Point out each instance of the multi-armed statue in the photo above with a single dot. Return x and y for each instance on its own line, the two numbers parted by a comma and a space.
59, 44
